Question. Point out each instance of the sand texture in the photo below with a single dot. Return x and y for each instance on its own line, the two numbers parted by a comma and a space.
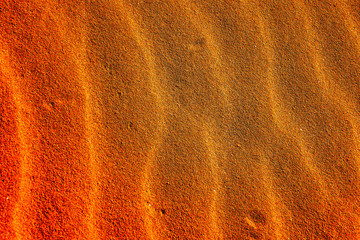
179, 119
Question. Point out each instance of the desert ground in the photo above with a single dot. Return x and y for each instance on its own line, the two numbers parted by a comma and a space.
179, 119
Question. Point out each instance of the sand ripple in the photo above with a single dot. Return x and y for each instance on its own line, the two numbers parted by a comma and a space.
179, 119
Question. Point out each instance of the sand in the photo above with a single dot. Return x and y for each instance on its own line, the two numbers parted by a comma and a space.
179, 119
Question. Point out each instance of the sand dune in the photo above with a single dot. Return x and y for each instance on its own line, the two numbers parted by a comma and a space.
181, 119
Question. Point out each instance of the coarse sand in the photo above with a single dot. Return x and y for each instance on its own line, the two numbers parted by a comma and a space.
179, 119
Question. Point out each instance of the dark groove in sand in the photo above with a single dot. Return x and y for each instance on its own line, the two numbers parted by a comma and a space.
282, 119
350, 25
80, 58
330, 88
152, 223
206, 29
281, 229
348, 105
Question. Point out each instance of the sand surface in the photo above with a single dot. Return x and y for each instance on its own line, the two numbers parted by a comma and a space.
179, 119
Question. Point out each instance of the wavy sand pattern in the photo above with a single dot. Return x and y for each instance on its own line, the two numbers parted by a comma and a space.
180, 119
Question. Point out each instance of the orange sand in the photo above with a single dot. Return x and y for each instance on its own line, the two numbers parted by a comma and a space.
179, 119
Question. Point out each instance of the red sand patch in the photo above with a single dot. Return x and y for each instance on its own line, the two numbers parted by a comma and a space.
179, 119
